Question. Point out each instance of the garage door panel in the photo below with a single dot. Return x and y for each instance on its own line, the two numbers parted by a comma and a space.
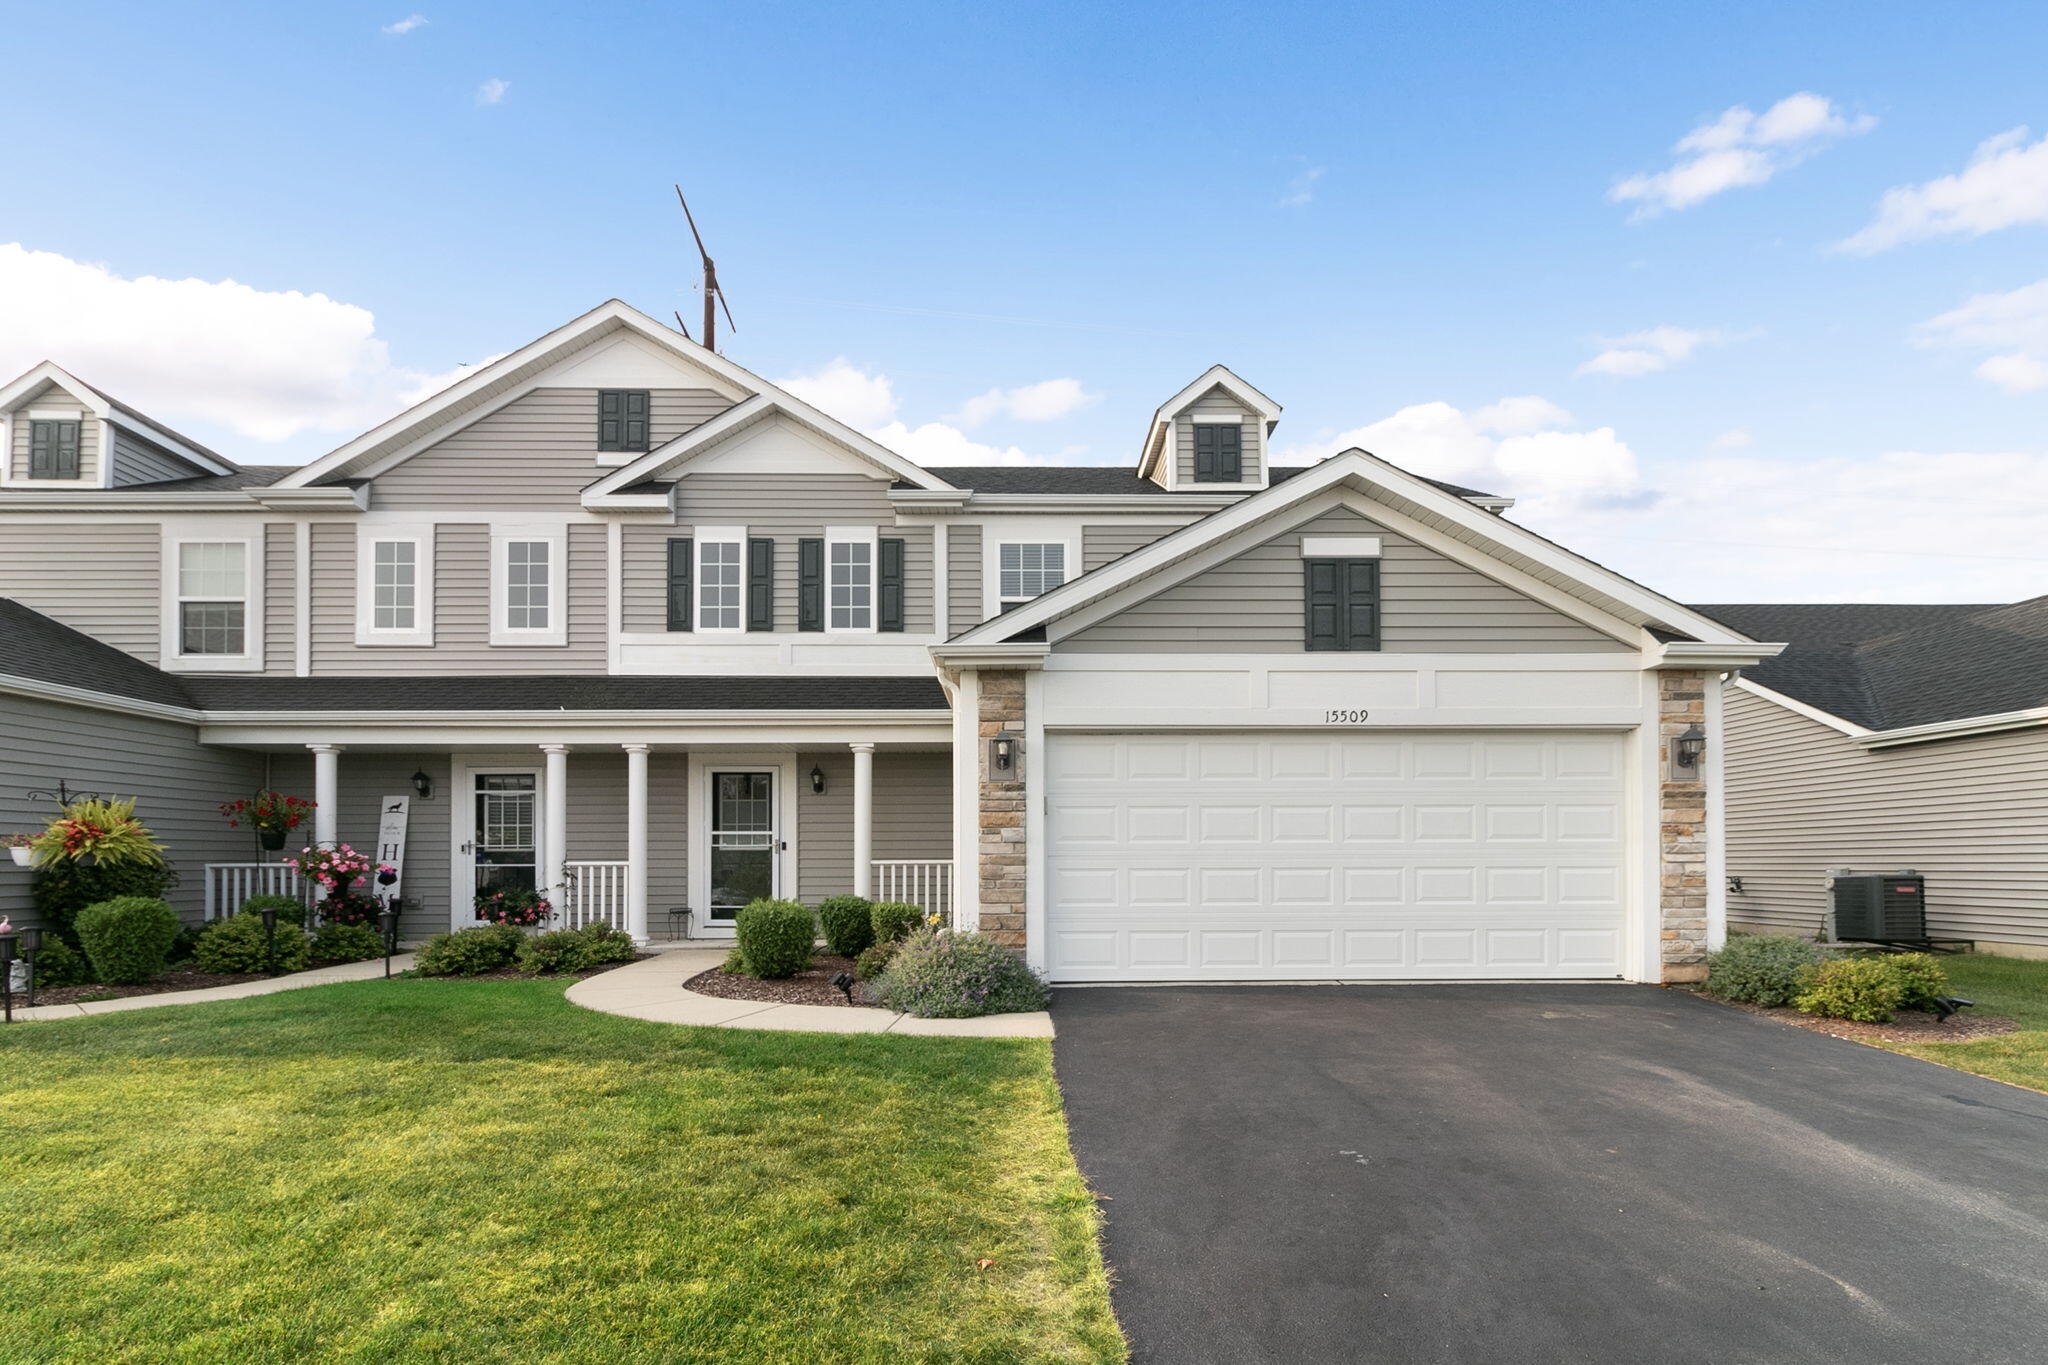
1253, 857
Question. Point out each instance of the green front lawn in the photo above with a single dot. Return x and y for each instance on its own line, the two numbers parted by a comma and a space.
480, 1171
2013, 987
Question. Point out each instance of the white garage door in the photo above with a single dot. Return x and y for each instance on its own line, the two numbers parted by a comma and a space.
1306, 857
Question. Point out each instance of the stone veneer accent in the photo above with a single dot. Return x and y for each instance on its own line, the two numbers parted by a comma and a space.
1001, 866
1682, 838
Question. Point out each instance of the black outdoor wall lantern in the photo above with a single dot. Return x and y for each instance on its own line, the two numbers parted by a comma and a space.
1688, 747
423, 784
817, 780
1002, 752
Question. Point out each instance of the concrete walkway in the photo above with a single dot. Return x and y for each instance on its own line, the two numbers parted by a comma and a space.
653, 990
325, 976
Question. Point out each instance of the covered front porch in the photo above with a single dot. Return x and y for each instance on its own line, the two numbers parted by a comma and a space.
662, 838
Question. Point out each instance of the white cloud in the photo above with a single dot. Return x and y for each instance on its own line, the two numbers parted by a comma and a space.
406, 25
936, 443
846, 391
2005, 185
1516, 416
264, 364
492, 91
1301, 188
2017, 318
1738, 148
1735, 438
1646, 352
1041, 402
1741, 528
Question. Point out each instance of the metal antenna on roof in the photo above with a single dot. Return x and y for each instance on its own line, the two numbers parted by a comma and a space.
714, 297
682, 326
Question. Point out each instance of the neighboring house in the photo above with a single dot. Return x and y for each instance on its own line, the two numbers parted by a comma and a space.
1887, 737
654, 634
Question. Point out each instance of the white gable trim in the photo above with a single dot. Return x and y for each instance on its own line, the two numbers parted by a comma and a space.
743, 417
48, 372
1366, 473
1154, 447
102, 408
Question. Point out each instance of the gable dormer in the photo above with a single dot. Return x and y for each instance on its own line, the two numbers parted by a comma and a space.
59, 433
1212, 436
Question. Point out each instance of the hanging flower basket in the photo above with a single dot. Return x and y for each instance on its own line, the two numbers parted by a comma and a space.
93, 831
21, 846
273, 815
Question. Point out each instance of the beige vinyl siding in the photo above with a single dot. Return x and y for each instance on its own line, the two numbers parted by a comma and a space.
1108, 541
88, 436
781, 507
98, 578
280, 605
1215, 401
139, 461
539, 450
363, 780
1971, 814
913, 816
462, 609
1428, 604
597, 822
963, 578
178, 785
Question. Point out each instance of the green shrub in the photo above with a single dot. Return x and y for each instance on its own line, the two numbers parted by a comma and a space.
848, 922
893, 920
290, 909
471, 952
1920, 978
574, 950
776, 938
347, 943
735, 963
60, 964
183, 946
1865, 989
62, 889
938, 974
875, 959
1762, 969
236, 946
128, 938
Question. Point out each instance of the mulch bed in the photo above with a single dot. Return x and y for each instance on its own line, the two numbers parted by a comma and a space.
177, 979
810, 987
514, 974
1909, 1027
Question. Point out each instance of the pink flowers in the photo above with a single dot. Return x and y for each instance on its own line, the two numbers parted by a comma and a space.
335, 868
516, 906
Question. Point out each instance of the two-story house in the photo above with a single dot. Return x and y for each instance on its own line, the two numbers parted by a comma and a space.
629, 624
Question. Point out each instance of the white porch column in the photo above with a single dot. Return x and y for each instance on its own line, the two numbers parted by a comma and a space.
326, 799
636, 841
554, 827
863, 819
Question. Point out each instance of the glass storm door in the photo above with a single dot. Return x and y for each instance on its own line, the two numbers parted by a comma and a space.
743, 841
506, 841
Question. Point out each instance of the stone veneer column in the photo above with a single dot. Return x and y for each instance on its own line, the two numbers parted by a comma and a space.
1001, 862
1682, 832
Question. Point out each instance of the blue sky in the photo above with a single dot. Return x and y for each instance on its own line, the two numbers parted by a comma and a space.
1388, 218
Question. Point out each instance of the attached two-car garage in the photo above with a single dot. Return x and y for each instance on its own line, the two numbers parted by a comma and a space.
1291, 856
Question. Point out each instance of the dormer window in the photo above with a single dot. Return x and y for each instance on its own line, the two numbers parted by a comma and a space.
1219, 451
622, 419
53, 449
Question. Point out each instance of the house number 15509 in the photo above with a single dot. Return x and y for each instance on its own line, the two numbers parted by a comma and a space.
1344, 717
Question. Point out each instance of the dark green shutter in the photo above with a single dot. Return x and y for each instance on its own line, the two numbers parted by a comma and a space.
1208, 454
682, 553
889, 585
1341, 603
1229, 454
42, 450
633, 419
611, 419
760, 584
1324, 593
810, 584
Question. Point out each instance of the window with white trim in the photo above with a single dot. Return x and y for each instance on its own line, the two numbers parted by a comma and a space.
212, 598
394, 585
850, 585
721, 585
529, 584
1025, 570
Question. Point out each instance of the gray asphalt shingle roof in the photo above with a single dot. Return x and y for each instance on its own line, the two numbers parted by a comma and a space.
1094, 480
35, 647
1886, 666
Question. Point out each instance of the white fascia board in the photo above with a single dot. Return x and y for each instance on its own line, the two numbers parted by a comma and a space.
928, 501
627, 502
996, 654
1164, 414
329, 499
98, 701
1800, 708
1695, 654
707, 435
49, 372
116, 502
1954, 729
156, 435
1165, 504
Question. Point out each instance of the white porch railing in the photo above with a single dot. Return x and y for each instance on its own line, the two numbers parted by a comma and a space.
229, 884
595, 894
924, 883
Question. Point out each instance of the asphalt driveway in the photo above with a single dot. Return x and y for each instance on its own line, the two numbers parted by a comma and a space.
1545, 1174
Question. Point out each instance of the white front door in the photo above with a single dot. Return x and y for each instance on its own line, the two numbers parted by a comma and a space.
743, 807
1244, 856
500, 844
